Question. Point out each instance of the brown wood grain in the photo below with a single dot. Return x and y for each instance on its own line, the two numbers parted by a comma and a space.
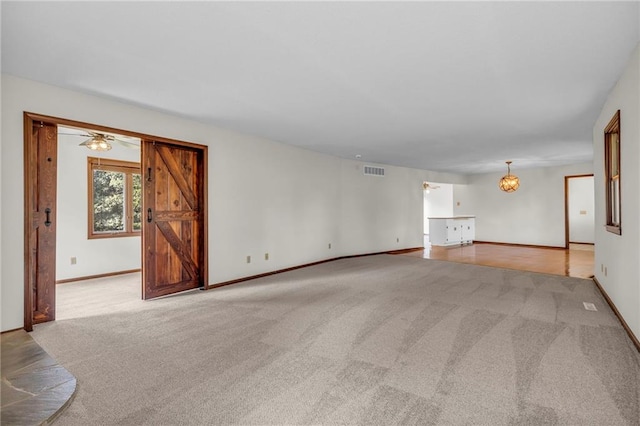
34, 217
148, 228
187, 163
201, 231
182, 251
43, 145
612, 127
163, 250
177, 182
173, 168
30, 134
183, 215
175, 200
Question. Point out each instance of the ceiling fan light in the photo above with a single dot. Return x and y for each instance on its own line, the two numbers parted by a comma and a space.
97, 143
509, 182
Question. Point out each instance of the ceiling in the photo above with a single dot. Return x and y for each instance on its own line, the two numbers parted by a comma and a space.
445, 86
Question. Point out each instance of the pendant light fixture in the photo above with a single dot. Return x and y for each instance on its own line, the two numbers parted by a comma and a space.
509, 182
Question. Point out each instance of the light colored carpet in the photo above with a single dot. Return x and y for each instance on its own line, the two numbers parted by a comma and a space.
376, 340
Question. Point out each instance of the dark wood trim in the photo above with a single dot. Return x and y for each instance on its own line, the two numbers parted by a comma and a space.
204, 208
90, 277
29, 118
156, 154
566, 212
626, 327
407, 250
520, 245
566, 206
614, 229
28, 184
84, 125
293, 268
39, 215
12, 330
128, 169
612, 128
266, 274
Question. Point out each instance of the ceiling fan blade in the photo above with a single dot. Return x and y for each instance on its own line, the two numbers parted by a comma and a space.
85, 143
75, 134
126, 144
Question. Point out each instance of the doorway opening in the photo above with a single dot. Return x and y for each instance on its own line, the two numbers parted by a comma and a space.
579, 212
143, 211
438, 202
98, 222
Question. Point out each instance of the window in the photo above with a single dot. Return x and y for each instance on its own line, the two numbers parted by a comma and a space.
115, 198
612, 174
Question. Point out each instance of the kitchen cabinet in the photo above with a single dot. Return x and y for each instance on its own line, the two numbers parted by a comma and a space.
451, 231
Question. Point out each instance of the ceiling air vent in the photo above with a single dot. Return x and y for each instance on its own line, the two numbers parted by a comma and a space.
374, 171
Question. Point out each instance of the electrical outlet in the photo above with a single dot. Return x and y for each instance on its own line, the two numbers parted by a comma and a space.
329, 246
266, 256
397, 239
605, 271
602, 267
74, 260
248, 259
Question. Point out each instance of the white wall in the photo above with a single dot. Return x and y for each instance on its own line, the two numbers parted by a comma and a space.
620, 253
581, 205
72, 217
263, 196
534, 214
438, 203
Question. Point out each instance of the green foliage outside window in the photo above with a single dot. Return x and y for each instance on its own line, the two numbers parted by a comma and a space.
116, 198
108, 201
137, 202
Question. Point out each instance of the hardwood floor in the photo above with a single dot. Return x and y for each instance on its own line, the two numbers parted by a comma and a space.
577, 261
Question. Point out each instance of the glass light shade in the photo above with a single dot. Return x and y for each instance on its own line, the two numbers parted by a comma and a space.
509, 183
97, 144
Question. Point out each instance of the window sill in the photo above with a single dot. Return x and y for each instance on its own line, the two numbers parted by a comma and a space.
114, 235
614, 229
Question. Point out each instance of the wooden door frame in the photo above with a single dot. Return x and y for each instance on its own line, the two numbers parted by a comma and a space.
29, 118
566, 205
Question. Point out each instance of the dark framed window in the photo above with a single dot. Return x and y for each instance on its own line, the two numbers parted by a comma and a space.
612, 174
115, 198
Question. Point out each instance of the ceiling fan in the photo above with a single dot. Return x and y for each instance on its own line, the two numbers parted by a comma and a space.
428, 186
102, 141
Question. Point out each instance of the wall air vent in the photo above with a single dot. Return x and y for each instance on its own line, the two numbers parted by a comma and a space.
374, 171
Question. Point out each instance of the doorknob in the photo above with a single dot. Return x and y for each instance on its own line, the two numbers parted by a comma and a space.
47, 221
149, 215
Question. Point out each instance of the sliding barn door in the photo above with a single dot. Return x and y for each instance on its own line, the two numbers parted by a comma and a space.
173, 237
40, 222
